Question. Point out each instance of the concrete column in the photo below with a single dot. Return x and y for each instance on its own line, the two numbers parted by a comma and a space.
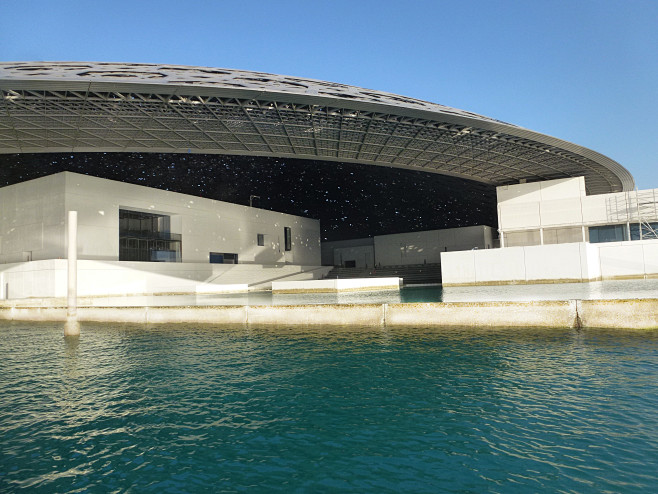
628, 229
72, 328
584, 233
502, 239
541, 236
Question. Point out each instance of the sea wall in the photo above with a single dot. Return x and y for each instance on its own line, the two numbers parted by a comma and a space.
614, 314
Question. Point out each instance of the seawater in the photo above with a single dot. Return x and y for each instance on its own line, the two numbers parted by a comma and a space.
194, 409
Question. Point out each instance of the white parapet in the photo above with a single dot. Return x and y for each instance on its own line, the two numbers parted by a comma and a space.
352, 284
555, 263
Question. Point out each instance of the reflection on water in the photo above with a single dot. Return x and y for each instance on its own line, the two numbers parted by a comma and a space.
175, 408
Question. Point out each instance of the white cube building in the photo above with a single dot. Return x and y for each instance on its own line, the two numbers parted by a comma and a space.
552, 232
145, 230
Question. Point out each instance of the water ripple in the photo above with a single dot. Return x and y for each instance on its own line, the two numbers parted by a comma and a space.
179, 409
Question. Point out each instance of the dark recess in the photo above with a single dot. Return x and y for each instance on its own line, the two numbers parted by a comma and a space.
350, 200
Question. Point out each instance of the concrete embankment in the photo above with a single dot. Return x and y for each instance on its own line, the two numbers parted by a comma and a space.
621, 314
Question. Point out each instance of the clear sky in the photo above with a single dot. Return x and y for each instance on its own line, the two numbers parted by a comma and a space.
585, 71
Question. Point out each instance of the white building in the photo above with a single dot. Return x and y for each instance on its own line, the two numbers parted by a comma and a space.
134, 239
553, 232
402, 249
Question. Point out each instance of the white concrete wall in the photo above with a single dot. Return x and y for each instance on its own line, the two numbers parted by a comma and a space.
206, 225
33, 221
563, 203
427, 246
32, 217
552, 263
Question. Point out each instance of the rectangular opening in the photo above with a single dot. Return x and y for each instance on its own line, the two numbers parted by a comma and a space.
287, 237
261, 239
147, 237
608, 233
223, 258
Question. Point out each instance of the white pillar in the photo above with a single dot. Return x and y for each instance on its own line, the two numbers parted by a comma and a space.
72, 328
502, 239
584, 233
541, 236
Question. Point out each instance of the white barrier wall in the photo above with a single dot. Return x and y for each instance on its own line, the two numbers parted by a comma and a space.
573, 262
33, 222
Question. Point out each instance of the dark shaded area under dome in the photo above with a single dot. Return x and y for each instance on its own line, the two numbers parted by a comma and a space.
350, 200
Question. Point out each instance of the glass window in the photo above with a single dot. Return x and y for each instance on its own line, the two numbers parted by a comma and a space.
146, 237
223, 258
647, 233
288, 237
261, 239
608, 233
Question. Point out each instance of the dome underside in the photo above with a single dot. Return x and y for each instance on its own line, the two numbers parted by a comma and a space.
44, 113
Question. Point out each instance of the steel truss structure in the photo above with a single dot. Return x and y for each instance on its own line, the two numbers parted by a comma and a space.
48, 107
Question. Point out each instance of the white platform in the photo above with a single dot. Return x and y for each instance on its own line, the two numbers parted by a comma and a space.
351, 284
47, 278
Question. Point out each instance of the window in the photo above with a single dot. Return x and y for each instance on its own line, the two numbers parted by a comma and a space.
261, 239
223, 258
608, 233
647, 232
288, 237
146, 237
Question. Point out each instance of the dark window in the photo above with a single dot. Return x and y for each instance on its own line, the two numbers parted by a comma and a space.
146, 237
646, 232
608, 233
288, 237
223, 258
350, 264
261, 239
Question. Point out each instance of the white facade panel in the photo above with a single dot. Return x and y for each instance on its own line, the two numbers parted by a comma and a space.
33, 222
458, 267
513, 216
560, 212
622, 259
492, 264
553, 262
563, 188
521, 193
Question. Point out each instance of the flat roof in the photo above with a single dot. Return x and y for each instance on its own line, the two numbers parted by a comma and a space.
51, 107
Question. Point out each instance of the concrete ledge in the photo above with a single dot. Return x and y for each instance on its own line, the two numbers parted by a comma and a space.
546, 314
614, 314
317, 315
524, 282
632, 314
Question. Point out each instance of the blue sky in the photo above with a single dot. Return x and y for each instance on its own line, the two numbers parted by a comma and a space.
585, 71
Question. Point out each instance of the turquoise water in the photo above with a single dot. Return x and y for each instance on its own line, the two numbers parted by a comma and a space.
181, 409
